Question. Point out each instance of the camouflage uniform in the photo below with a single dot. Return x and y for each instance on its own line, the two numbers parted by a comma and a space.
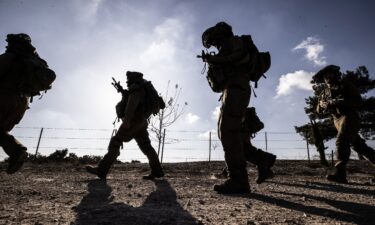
13, 103
235, 98
345, 116
263, 160
134, 126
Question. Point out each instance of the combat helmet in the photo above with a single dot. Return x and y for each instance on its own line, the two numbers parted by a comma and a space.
213, 35
319, 76
19, 42
134, 77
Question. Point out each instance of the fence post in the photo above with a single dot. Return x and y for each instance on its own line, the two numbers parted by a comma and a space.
308, 151
265, 138
209, 149
307, 147
162, 148
40, 137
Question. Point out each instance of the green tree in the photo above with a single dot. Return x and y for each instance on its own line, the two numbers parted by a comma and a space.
322, 123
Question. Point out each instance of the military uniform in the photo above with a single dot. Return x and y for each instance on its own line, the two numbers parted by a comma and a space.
263, 160
344, 111
13, 103
134, 126
235, 98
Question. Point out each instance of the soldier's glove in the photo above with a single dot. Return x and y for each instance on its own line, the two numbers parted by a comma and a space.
206, 58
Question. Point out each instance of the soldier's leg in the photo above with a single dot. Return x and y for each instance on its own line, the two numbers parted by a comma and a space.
10, 144
15, 150
359, 145
110, 157
232, 111
123, 135
144, 143
12, 110
263, 160
344, 135
257, 156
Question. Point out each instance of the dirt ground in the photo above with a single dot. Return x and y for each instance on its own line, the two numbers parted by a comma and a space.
298, 194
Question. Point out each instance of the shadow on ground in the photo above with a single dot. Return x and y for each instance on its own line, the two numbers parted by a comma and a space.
160, 207
349, 212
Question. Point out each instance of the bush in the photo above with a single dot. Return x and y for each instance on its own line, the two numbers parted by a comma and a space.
58, 155
89, 159
63, 156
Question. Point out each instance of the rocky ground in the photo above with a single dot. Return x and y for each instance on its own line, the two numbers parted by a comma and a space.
299, 194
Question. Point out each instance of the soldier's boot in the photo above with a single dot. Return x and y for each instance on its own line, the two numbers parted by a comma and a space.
16, 161
237, 183
15, 150
106, 163
340, 175
96, 171
373, 180
264, 168
156, 169
233, 186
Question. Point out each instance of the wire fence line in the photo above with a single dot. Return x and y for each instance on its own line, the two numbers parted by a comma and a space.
187, 145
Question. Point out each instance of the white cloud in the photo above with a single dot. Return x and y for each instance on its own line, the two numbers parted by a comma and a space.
163, 47
216, 113
298, 80
191, 118
314, 49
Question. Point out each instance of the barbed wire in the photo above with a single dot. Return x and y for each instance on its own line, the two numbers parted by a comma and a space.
111, 129
289, 143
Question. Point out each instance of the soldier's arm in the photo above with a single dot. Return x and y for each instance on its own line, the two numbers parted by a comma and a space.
133, 101
231, 53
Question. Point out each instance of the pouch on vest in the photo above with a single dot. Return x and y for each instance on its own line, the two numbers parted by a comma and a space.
216, 78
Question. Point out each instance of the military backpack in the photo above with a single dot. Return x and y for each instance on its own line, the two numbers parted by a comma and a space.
153, 101
259, 62
37, 77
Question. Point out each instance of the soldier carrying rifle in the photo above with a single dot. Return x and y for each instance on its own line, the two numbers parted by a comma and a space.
136, 106
342, 100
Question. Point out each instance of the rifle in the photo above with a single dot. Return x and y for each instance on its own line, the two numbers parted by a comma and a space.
332, 102
119, 88
205, 55
120, 107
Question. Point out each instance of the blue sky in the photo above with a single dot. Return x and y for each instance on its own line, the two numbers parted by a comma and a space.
88, 42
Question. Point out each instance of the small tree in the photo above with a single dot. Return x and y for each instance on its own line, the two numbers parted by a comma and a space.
167, 116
